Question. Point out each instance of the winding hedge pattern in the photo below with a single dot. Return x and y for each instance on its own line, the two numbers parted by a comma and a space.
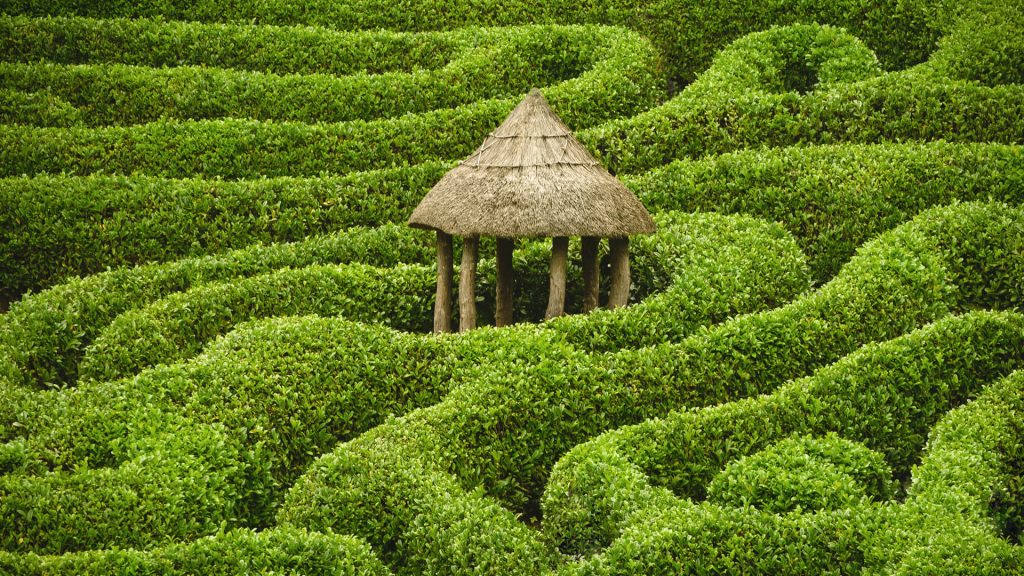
819, 372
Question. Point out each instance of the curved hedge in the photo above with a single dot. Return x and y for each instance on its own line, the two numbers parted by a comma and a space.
621, 82
235, 553
503, 430
178, 326
834, 198
279, 392
44, 336
55, 227
160, 43
688, 34
495, 63
710, 117
886, 396
984, 45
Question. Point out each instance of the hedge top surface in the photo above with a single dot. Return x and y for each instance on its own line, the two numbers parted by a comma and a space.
532, 178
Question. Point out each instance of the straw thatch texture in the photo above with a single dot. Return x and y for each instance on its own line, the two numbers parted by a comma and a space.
531, 178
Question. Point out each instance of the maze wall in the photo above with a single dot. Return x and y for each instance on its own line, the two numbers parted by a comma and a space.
216, 356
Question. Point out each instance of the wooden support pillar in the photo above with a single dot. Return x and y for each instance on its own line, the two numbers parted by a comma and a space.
559, 261
591, 274
445, 273
503, 295
467, 284
618, 292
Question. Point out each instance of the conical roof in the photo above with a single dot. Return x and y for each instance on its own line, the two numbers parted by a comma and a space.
531, 178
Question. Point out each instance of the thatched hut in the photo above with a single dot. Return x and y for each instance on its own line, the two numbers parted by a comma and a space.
530, 178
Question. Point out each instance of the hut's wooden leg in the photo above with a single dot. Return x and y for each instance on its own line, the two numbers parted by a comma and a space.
556, 294
591, 273
443, 302
618, 293
467, 284
503, 297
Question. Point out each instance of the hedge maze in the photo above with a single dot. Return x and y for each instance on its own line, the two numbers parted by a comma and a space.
217, 360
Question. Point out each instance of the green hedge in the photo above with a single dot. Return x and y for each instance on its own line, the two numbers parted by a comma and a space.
246, 417
696, 270
619, 84
885, 396
44, 336
503, 429
803, 474
235, 553
37, 108
687, 33
56, 227
711, 117
179, 325
985, 45
159, 43
171, 329
834, 198
496, 63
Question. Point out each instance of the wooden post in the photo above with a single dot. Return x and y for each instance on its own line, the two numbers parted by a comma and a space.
467, 284
556, 294
503, 296
443, 302
591, 273
618, 292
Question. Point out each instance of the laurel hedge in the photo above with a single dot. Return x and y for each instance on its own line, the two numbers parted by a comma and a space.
36, 108
55, 227
687, 34
496, 63
44, 336
834, 198
620, 83
948, 501
159, 43
503, 430
235, 553
714, 115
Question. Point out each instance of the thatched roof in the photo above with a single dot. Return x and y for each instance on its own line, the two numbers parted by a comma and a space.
531, 177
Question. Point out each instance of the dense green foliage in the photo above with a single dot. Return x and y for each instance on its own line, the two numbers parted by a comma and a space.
215, 357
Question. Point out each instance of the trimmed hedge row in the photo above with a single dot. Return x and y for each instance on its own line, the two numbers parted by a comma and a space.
177, 326
885, 396
497, 63
55, 227
168, 330
284, 390
37, 108
501, 431
235, 553
159, 43
710, 117
246, 416
834, 198
44, 336
985, 45
696, 270
688, 34
831, 198
942, 528
620, 83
